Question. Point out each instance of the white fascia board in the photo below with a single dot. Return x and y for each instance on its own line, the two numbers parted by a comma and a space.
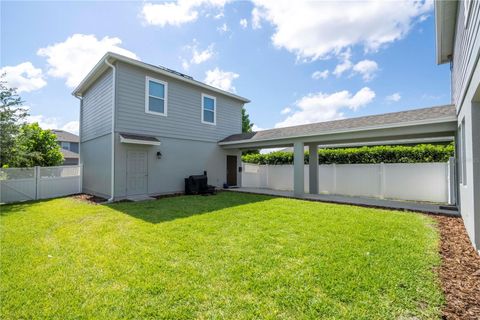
361, 129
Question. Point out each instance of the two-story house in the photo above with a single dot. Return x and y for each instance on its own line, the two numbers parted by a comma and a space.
68, 143
458, 43
144, 128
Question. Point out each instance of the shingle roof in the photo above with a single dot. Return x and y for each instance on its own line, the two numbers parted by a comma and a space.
431, 113
69, 154
65, 136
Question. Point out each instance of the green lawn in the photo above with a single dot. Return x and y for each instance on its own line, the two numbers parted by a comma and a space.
236, 256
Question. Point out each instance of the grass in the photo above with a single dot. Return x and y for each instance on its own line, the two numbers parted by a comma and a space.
232, 255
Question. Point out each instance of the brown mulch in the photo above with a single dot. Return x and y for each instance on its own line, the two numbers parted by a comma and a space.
89, 198
460, 270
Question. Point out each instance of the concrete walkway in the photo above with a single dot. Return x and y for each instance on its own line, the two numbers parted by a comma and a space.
360, 201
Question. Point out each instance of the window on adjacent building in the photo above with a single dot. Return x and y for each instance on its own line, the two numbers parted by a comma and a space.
65, 145
209, 109
464, 154
156, 96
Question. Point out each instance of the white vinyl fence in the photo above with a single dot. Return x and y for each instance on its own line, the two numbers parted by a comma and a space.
22, 184
401, 181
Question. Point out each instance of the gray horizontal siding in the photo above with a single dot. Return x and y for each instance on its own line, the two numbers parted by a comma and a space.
466, 50
183, 118
97, 108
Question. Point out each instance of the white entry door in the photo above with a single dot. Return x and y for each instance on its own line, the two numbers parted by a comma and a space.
137, 172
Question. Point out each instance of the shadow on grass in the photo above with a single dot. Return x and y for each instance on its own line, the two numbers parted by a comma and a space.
17, 207
167, 209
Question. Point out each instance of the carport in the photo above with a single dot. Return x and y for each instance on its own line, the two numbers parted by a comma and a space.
427, 125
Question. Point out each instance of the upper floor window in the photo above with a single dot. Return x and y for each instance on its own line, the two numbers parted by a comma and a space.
156, 96
209, 108
65, 145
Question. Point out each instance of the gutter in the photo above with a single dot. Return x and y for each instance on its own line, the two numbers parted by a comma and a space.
112, 165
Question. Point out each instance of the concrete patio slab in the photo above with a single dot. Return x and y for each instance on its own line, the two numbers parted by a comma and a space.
360, 201
140, 198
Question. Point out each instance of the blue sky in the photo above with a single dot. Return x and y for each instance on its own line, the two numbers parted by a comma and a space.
297, 62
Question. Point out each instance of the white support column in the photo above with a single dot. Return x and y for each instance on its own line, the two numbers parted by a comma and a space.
313, 168
298, 169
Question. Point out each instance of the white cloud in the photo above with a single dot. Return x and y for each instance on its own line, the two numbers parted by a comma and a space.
317, 29
257, 128
198, 56
177, 13
394, 97
367, 68
223, 28
345, 65
243, 23
221, 79
78, 54
71, 126
286, 110
53, 123
320, 106
320, 74
24, 76
256, 18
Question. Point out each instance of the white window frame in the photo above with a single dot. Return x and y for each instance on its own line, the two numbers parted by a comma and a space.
147, 95
214, 109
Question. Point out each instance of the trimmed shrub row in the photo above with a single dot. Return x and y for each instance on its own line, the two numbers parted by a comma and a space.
376, 154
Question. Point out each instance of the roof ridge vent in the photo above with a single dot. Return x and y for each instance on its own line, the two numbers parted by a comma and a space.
176, 72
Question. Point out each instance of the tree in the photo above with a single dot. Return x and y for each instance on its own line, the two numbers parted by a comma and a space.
36, 147
246, 124
12, 117
247, 127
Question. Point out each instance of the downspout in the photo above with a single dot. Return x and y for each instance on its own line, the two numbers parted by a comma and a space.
112, 165
80, 162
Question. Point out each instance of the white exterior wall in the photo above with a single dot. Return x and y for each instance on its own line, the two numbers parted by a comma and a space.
403, 181
180, 159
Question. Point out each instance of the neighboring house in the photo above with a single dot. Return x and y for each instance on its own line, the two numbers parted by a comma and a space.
458, 43
69, 146
144, 128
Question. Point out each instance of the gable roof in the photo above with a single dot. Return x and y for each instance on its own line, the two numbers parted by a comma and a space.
65, 136
111, 57
67, 154
417, 116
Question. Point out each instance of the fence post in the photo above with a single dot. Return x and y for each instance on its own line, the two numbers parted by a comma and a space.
382, 180
37, 181
80, 179
334, 168
451, 181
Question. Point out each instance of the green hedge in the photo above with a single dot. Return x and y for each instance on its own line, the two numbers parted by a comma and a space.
377, 154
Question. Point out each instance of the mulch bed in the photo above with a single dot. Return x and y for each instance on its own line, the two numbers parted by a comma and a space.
89, 198
460, 270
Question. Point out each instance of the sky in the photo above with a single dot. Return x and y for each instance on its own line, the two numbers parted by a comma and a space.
298, 62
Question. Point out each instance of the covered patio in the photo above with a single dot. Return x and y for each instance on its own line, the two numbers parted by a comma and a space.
428, 125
